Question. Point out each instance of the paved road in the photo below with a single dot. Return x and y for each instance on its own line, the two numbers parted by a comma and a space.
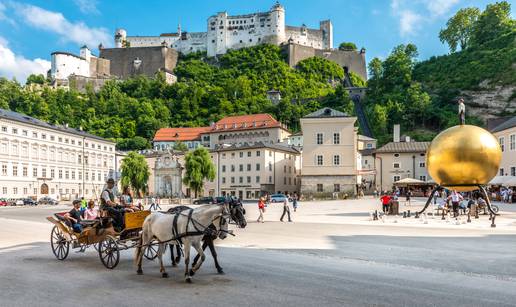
288, 264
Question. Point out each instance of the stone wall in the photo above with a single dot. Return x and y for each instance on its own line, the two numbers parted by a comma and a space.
80, 83
152, 60
353, 60
309, 185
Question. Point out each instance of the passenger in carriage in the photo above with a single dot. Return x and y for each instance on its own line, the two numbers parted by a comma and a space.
74, 216
90, 213
126, 200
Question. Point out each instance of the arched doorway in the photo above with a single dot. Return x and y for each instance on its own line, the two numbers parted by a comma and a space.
44, 188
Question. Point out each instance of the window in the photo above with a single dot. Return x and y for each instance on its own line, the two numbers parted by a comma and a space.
24, 191
249, 154
223, 156
397, 155
15, 190
241, 154
336, 187
501, 172
270, 179
270, 153
502, 143
223, 179
44, 172
15, 131
422, 178
73, 175
4, 170
241, 168
52, 173
369, 145
232, 179
257, 179
35, 172
396, 165
43, 136
232, 155
60, 174
25, 171
284, 168
52, 138
4, 190
4, 129
319, 160
80, 175
284, 180
396, 178
270, 166
319, 138
336, 160
15, 170
34, 134
15, 149
513, 171
248, 167
79, 159
67, 174
223, 168
258, 153
25, 132
319, 187
248, 179
421, 164
73, 142
232, 168
257, 166
512, 142
336, 138
240, 179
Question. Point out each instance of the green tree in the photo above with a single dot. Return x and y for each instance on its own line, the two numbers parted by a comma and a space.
348, 46
180, 146
198, 167
37, 79
459, 28
135, 172
494, 21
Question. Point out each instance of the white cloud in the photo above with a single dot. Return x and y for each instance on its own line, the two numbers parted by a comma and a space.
3, 16
12, 65
87, 6
77, 32
440, 7
410, 22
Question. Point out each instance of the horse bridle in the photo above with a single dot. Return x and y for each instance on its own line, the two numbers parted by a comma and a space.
234, 208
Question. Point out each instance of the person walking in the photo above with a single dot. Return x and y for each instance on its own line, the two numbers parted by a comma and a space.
153, 204
286, 210
294, 202
455, 198
261, 209
408, 195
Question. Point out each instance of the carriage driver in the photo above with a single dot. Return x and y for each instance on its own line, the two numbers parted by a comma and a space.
107, 202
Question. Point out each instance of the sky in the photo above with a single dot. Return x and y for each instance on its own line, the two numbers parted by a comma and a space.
31, 30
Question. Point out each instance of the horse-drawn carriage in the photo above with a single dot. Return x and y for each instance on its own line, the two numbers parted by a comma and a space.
100, 234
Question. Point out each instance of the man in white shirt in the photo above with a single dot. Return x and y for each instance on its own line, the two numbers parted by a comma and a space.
455, 198
462, 111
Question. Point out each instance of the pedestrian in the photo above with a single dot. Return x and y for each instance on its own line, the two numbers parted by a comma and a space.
408, 195
261, 209
455, 198
435, 198
294, 202
375, 193
158, 200
386, 200
153, 204
286, 210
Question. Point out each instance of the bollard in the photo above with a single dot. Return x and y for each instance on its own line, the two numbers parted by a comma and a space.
476, 213
425, 221
443, 216
404, 214
408, 213
493, 225
469, 217
417, 215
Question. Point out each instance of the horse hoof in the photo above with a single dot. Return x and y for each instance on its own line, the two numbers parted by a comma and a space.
188, 280
139, 272
164, 275
220, 271
174, 265
192, 273
178, 259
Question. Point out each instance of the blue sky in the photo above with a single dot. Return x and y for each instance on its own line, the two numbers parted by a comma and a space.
30, 30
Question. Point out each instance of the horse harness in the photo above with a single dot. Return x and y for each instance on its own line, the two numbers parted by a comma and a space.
200, 229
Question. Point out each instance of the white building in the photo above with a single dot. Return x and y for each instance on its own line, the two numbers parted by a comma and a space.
226, 32
40, 159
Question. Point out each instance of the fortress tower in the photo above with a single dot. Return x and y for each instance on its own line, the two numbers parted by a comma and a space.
120, 38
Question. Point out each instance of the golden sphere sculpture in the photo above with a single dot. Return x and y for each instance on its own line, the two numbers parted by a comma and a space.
463, 157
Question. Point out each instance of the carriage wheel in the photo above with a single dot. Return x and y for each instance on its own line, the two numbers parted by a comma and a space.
60, 246
151, 252
109, 253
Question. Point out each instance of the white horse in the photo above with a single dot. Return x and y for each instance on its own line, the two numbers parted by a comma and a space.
189, 226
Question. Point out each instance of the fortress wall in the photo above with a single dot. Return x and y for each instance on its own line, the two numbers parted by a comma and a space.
152, 60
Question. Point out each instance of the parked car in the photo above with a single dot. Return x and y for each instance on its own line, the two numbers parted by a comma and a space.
47, 201
19, 202
3, 202
278, 198
205, 200
29, 202
220, 199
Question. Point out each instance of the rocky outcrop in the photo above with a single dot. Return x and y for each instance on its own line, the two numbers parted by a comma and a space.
491, 102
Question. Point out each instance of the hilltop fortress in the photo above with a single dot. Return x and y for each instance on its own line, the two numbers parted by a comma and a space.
146, 55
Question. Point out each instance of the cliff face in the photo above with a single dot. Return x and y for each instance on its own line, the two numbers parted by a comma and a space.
490, 102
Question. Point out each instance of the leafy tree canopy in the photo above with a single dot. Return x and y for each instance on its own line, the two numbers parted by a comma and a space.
459, 28
198, 167
135, 172
347, 46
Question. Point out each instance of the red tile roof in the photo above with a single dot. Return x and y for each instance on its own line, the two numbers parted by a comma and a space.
180, 134
246, 122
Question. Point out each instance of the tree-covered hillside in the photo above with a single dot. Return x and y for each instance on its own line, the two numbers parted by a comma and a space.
207, 89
